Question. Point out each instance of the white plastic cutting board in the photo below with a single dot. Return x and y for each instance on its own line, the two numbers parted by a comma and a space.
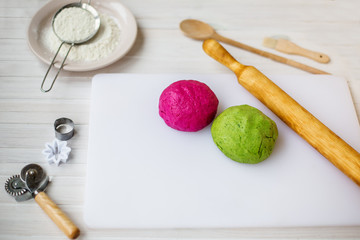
143, 174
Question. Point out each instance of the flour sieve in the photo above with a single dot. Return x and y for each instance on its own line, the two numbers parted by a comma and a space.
72, 33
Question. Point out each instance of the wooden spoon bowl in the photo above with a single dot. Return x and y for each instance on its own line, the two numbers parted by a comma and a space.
196, 29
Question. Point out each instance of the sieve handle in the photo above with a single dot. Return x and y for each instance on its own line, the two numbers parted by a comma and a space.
51, 65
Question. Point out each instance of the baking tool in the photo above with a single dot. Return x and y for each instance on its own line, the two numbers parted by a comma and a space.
331, 146
85, 7
16, 188
56, 152
286, 46
118, 11
64, 129
34, 171
32, 182
200, 31
171, 179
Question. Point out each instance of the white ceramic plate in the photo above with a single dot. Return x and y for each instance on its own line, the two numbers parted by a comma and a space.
125, 19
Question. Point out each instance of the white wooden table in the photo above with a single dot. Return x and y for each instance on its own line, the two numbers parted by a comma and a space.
27, 115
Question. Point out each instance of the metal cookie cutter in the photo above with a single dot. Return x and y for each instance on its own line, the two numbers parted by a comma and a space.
64, 128
32, 182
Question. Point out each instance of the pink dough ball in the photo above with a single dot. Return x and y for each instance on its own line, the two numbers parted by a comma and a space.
188, 105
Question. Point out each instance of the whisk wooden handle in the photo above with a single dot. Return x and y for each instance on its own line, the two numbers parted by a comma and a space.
57, 215
270, 55
331, 146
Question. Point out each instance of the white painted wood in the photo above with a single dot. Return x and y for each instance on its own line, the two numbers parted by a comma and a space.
26, 121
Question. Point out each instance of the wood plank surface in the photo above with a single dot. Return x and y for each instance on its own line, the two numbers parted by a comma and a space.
27, 115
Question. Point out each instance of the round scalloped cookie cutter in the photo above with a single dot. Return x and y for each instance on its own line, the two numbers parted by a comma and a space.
64, 129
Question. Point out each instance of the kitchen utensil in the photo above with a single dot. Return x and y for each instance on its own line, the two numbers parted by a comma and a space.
118, 11
171, 179
331, 146
71, 42
16, 188
64, 128
200, 31
32, 182
286, 46
56, 152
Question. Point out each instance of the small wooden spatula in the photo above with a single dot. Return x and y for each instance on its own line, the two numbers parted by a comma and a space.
286, 46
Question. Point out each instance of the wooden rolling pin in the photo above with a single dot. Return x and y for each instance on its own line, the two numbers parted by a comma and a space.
331, 146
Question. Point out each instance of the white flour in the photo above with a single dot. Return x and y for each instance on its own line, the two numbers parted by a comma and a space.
74, 24
98, 48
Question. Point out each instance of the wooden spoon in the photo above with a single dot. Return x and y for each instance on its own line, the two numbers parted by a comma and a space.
331, 146
201, 31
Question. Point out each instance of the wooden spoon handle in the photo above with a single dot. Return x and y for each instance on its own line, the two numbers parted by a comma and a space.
269, 55
57, 215
331, 146
286, 46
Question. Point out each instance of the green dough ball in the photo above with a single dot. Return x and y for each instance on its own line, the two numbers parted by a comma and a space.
244, 134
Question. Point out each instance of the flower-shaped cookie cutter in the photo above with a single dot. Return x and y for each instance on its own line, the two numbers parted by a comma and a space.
56, 152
